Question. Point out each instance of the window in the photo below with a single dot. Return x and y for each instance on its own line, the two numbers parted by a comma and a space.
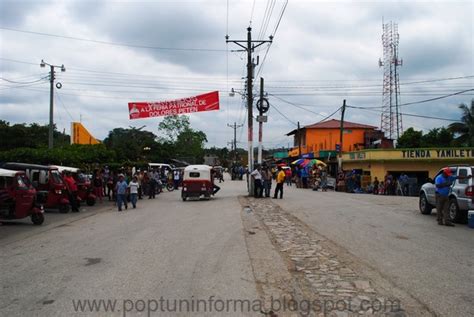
463, 172
194, 174
56, 177
21, 182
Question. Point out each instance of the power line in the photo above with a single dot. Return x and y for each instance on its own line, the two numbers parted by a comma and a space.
288, 119
23, 82
114, 43
421, 101
410, 115
294, 105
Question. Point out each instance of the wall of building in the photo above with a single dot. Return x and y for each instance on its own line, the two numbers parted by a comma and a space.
326, 139
378, 162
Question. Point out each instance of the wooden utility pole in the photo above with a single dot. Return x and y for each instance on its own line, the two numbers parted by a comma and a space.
341, 136
249, 48
299, 141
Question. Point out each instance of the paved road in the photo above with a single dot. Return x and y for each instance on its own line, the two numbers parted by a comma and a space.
193, 250
166, 247
433, 263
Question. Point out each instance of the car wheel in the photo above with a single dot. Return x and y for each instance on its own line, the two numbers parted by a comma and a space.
425, 207
37, 219
455, 214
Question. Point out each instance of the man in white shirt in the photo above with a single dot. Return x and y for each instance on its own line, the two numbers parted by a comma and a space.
258, 186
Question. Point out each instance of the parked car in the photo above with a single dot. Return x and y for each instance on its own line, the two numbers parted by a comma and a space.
460, 197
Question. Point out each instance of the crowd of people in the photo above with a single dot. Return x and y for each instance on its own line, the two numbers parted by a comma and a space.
314, 177
351, 182
125, 186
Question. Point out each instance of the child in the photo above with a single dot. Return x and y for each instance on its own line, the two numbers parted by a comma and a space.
133, 187
381, 188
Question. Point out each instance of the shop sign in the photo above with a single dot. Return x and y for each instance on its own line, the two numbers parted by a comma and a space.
441, 153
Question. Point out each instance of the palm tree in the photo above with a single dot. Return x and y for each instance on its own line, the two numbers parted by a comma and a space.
464, 129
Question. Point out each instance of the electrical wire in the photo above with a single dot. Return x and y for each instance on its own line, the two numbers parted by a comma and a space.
284, 116
23, 82
297, 106
411, 115
420, 101
114, 43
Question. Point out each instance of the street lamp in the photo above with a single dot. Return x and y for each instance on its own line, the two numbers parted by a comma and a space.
51, 98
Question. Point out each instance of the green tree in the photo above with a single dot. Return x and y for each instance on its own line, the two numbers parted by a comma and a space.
464, 130
410, 139
190, 145
131, 144
30, 136
173, 126
437, 137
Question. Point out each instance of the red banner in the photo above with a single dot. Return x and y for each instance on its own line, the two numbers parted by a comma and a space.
205, 102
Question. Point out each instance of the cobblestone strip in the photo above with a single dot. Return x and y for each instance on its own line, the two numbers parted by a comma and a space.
330, 284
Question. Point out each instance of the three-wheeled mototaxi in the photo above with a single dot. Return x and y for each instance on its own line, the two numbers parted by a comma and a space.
51, 191
18, 197
84, 185
198, 181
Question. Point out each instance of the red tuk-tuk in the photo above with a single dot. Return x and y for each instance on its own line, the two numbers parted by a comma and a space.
51, 191
84, 185
198, 181
17, 197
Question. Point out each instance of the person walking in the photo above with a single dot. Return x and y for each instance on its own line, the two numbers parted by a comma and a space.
257, 179
267, 177
324, 179
72, 191
133, 188
121, 189
98, 185
110, 185
279, 180
288, 176
376, 186
176, 177
152, 184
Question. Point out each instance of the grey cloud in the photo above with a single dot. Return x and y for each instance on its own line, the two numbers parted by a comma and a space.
14, 12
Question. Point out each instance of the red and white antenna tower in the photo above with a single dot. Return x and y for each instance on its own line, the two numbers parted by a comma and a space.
391, 119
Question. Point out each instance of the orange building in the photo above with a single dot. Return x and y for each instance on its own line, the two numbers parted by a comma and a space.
321, 140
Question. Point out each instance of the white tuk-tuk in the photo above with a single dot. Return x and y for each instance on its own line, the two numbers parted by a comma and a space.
198, 181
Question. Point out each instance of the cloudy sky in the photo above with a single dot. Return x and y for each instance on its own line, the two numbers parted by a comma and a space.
323, 52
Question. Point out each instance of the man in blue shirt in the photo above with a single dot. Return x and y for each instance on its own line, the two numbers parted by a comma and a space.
121, 189
443, 184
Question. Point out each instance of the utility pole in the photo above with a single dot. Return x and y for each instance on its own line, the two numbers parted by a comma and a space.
260, 124
341, 135
249, 48
299, 141
51, 99
234, 143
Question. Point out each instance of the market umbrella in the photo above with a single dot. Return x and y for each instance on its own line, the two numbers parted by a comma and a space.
317, 162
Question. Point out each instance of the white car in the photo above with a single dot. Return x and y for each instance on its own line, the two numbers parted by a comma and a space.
460, 197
